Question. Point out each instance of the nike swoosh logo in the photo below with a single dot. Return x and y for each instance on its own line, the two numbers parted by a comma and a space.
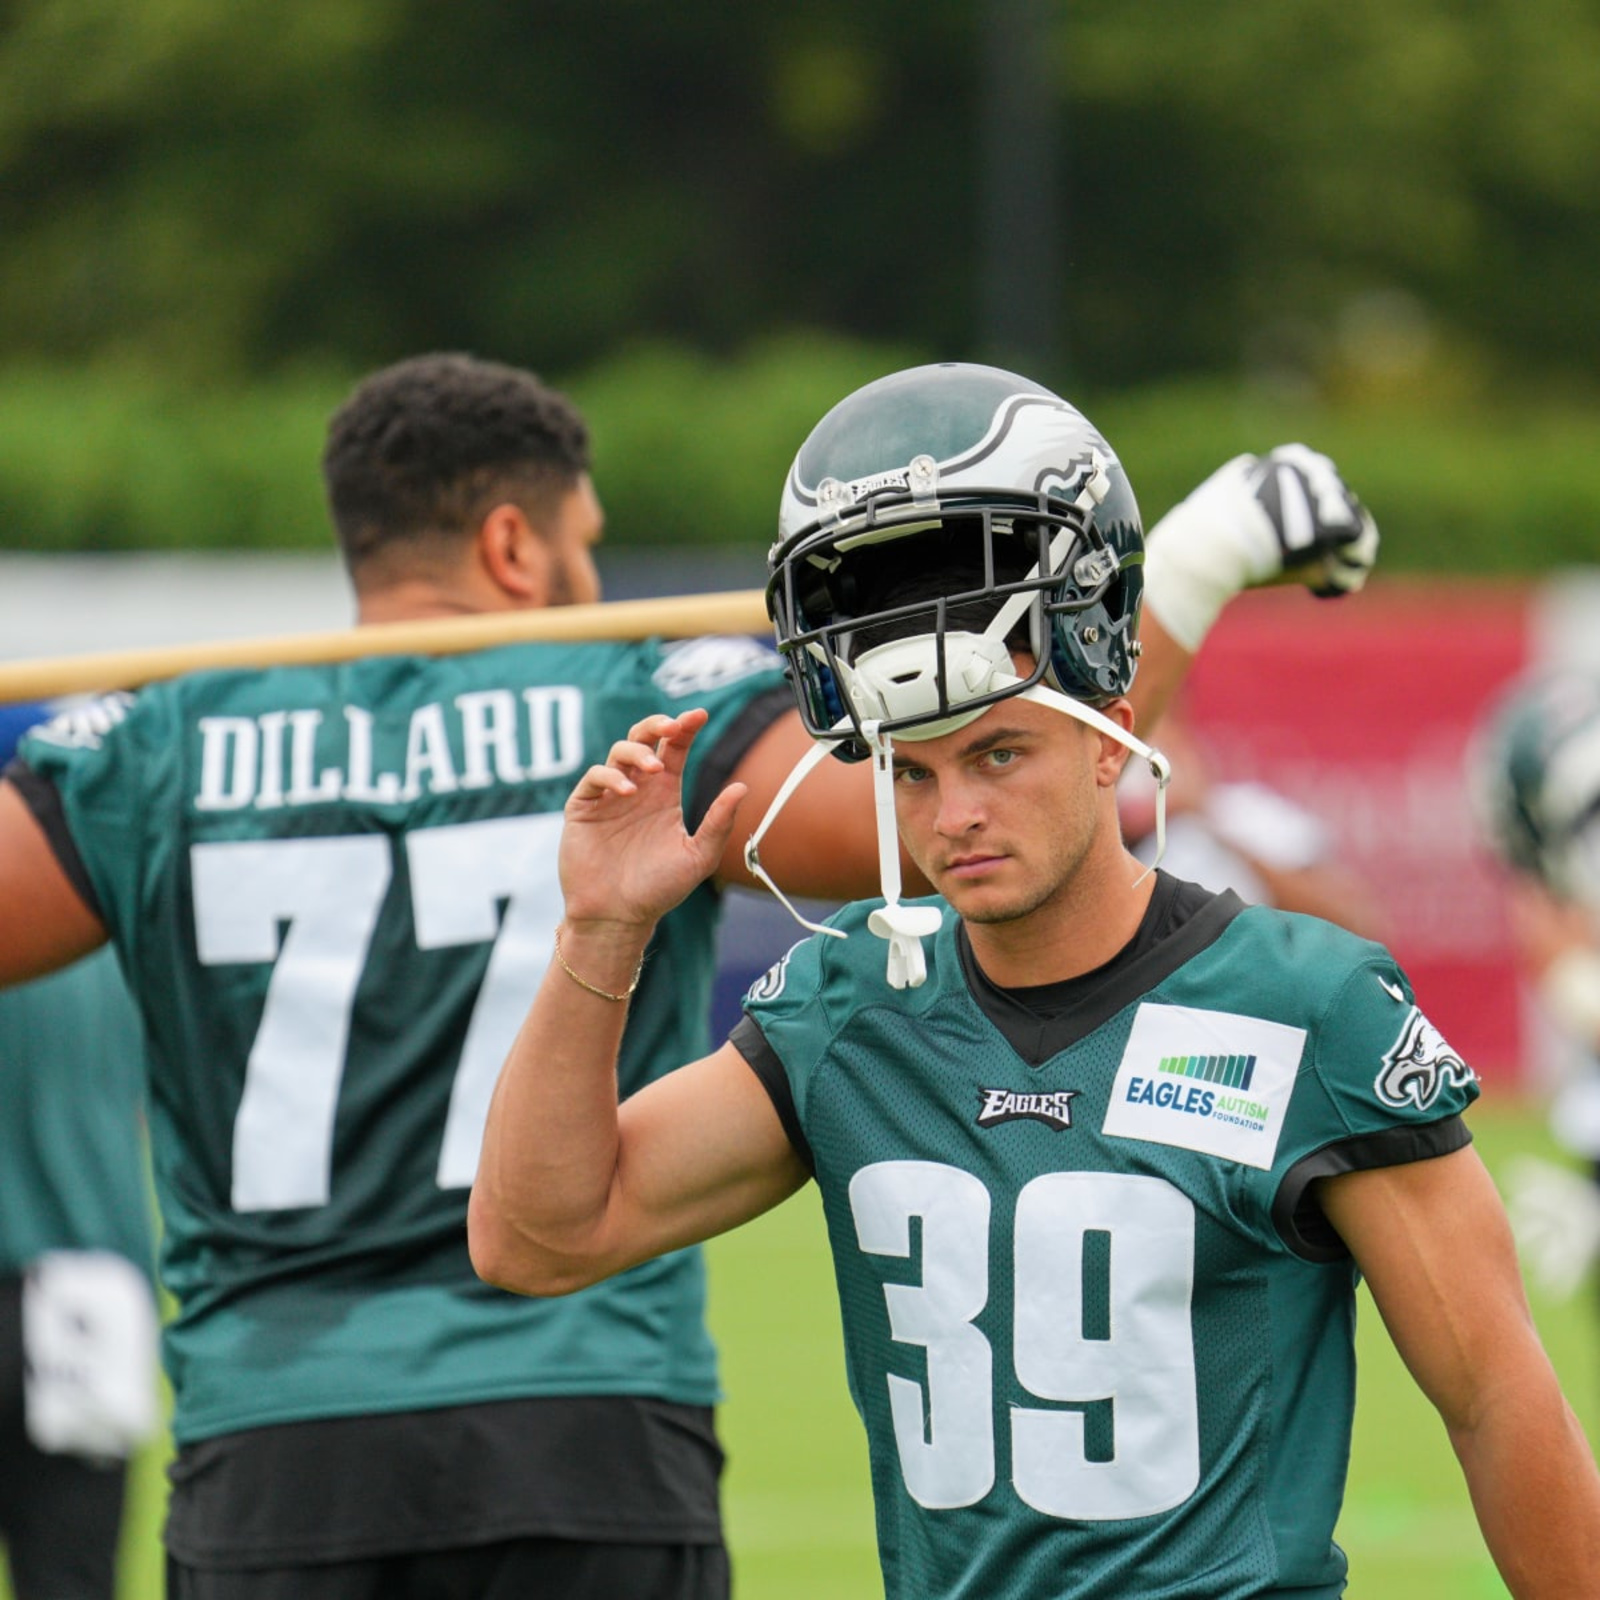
1394, 991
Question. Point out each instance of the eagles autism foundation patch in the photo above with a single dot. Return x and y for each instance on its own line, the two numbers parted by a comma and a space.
1211, 1081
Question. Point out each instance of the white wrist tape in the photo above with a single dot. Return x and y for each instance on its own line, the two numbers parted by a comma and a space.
1214, 543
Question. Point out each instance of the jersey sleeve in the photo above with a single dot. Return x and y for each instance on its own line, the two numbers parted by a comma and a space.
791, 1013
84, 774
765, 1062
740, 684
1383, 1087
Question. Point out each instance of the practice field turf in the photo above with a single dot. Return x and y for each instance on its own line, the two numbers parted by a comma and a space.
798, 1515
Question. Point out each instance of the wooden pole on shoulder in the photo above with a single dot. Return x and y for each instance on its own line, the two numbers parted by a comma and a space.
684, 616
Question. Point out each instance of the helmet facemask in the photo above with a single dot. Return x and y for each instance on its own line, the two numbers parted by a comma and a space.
897, 625
1036, 574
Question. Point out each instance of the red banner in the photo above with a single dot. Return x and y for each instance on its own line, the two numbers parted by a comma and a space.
1361, 710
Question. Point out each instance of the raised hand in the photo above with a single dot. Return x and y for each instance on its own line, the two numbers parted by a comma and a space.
1287, 516
1325, 537
626, 856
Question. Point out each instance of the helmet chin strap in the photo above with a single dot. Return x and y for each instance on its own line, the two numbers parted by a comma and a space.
802, 770
905, 927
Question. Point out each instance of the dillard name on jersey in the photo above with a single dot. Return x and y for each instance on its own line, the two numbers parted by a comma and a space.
288, 758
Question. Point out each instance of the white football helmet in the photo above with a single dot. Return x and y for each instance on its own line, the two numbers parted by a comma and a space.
933, 523
931, 520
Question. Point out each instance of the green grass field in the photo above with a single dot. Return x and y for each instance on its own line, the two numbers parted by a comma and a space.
799, 1518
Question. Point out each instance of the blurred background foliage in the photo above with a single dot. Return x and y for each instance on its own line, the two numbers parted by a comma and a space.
1215, 226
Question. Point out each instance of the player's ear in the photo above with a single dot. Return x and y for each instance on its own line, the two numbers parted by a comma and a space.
514, 556
1113, 756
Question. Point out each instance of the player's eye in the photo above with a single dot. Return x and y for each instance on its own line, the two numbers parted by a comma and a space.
910, 775
1000, 758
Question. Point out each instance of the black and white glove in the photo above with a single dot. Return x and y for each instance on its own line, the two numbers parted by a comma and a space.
1287, 515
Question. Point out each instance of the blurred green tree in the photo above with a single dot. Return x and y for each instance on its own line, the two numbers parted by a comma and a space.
1367, 193
1344, 193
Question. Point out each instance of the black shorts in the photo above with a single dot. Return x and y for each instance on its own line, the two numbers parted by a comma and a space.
60, 1516
600, 1495
517, 1569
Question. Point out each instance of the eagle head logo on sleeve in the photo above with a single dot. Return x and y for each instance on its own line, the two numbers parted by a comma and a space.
1418, 1065
84, 726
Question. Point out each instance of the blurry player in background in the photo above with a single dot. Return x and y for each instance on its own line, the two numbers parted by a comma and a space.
334, 891
1102, 1156
1534, 774
78, 1371
1242, 835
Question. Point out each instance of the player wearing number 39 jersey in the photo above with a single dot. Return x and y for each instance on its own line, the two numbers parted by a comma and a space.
1101, 1154
1094, 1318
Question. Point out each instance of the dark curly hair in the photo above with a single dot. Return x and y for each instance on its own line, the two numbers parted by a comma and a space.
423, 450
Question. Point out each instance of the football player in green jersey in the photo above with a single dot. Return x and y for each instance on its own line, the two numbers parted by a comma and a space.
333, 890
1533, 772
1102, 1155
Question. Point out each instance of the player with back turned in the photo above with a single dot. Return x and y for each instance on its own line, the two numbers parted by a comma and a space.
1101, 1154
333, 890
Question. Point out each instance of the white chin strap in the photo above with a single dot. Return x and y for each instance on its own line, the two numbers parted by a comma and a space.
905, 927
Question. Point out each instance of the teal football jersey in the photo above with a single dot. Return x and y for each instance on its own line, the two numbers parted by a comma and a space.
1101, 1341
73, 1171
334, 892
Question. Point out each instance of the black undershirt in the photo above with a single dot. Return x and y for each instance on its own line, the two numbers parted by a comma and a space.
1041, 1020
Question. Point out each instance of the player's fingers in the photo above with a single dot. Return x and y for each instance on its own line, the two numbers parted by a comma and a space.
717, 824
627, 761
659, 726
598, 782
673, 736
1346, 567
647, 730
1311, 507
634, 755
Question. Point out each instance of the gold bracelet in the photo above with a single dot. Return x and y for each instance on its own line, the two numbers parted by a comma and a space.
583, 983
